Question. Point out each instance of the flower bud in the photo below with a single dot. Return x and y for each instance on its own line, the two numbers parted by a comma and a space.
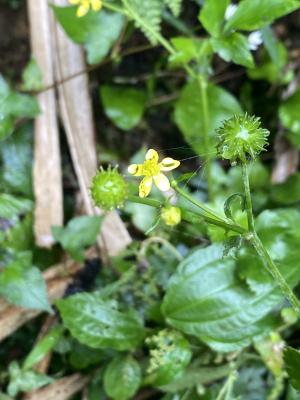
240, 136
109, 189
171, 215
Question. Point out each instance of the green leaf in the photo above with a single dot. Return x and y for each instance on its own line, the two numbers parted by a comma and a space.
271, 44
191, 49
289, 117
212, 15
122, 378
16, 157
96, 31
11, 206
292, 363
82, 356
32, 76
14, 105
123, 105
25, 381
43, 347
206, 298
234, 47
288, 192
23, 285
174, 6
254, 14
96, 323
189, 113
79, 233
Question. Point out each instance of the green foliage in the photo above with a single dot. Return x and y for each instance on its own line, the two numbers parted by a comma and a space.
292, 361
11, 206
97, 32
234, 47
16, 162
288, 192
98, 324
255, 14
14, 105
212, 15
71, 237
122, 377
32, 76
123, 105
23, 285
289, 117
41, 349
25, 381
189, 113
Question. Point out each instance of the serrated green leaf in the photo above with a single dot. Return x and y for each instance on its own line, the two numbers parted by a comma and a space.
123, 105
23, 284
80, 233
254, 14
212, 15
25, 381
292, 363
96, 323
189, 113
174, 6
234, 47
205, 299
96, 31
122, 378
32, 76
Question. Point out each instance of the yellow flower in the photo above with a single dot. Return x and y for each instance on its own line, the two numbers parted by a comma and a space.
171, 215
85, 5
152, 170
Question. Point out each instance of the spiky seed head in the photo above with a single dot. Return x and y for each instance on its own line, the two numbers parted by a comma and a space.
241, 136
109, 189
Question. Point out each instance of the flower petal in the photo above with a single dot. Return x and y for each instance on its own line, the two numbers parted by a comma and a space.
74, 1
135, 169
145, 186
162, 182
82, 10
96, 5
168, 163
152, 155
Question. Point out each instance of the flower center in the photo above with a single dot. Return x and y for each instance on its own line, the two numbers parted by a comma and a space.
150, 168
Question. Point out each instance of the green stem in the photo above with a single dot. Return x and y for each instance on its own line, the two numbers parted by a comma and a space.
274, 271
190, 216
226, 391
205, 111
114, 8
249, 210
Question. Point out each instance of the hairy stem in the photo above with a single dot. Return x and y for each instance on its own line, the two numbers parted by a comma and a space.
249, 209
190, 216
205, 111
274, 271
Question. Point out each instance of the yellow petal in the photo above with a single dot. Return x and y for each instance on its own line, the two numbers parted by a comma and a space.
151, 155
162, 182
96, 5
145, 186
82, 10
168, 163
135, 169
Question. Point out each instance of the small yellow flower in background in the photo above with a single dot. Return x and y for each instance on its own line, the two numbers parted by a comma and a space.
152, 170
171, 215
85, 5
